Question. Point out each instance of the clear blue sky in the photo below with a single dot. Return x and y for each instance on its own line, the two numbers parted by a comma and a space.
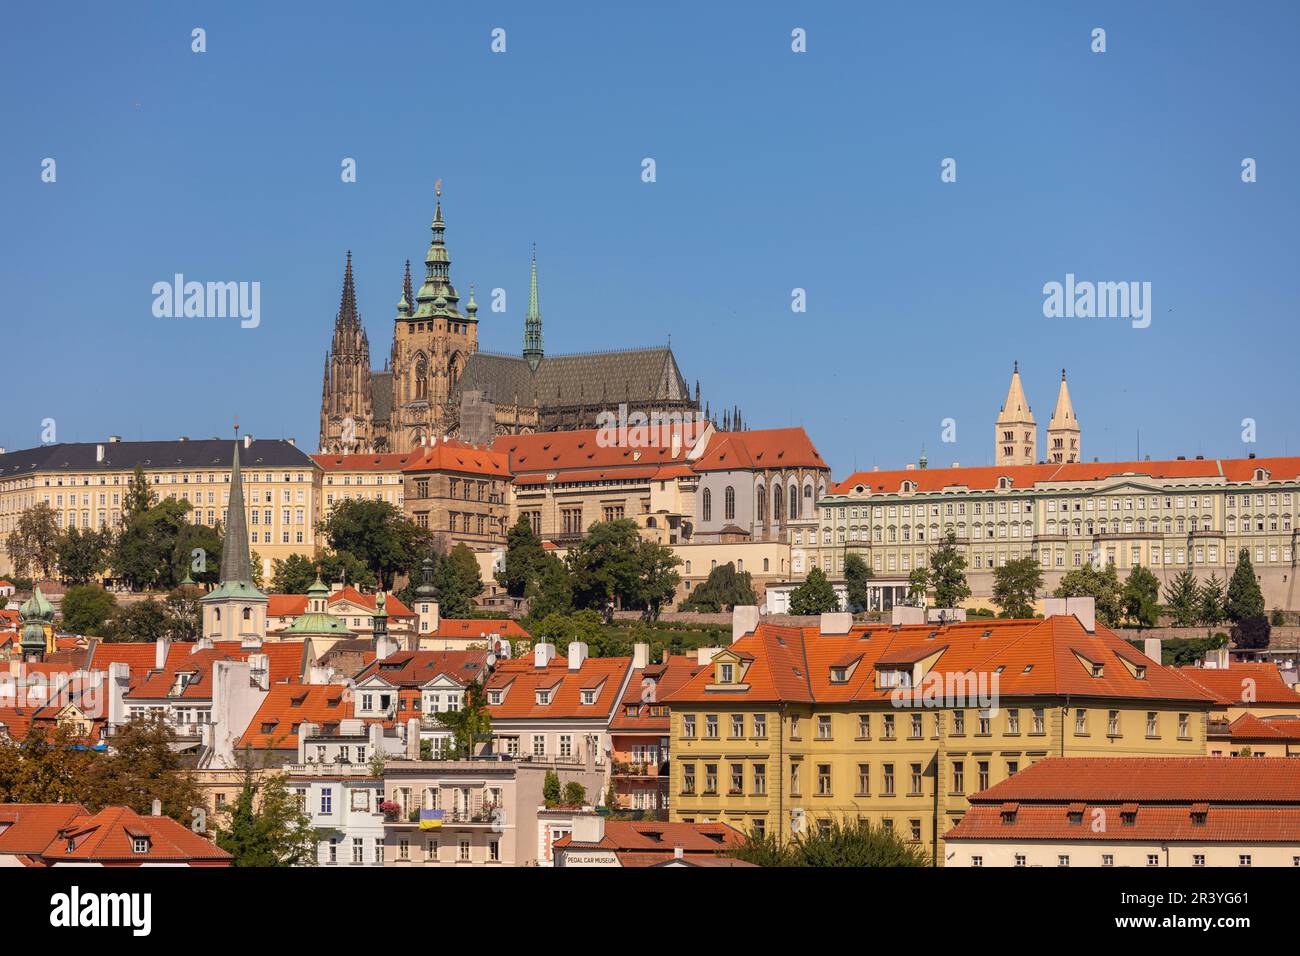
775, 171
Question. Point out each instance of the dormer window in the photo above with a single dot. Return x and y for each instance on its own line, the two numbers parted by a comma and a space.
839, 675
1141, 672
1098, 670
494, 697
588, 697
543, 697
139, 844
894, 677
726, 673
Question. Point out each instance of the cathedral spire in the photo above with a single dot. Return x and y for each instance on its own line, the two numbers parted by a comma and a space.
533, 321
1063, 432
348, 301
235, 562
437, 295
1016, 441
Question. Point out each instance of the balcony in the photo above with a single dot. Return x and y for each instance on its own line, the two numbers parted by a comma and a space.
461, 818
641, 769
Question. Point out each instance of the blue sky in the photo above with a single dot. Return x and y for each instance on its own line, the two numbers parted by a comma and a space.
774, 171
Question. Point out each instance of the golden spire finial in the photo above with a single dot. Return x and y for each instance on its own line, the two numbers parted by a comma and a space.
437, 187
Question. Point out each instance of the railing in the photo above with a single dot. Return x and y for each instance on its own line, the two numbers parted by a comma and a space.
457, 817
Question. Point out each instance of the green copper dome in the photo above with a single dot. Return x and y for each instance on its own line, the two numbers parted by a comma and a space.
36, 608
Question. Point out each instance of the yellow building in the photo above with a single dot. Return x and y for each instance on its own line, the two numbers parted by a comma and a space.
789, 726
85, 483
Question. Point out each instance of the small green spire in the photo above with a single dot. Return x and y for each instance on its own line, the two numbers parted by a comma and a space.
533, 321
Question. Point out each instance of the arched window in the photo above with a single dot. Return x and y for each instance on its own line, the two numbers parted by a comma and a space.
729, 504
248, 614
776, 504
707, 509
421, 378
794, 503
454, 368
762, 506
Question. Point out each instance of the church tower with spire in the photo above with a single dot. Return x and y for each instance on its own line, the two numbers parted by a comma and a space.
432, 341
1016, 433
1063, 434
347, 411
235, 610
533, 322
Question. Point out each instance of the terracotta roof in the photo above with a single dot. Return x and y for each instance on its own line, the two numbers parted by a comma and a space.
765, 448
477, 627
1029, 658
417, 668
1240, 470
653, 836
1153, 779
1193, 799
1275, 729
666, 678
1244, 685
460, 457
138, 657
387, 462
544, 452
109, 835
293, 605
286, 661
521, 680
275, 725
28, 828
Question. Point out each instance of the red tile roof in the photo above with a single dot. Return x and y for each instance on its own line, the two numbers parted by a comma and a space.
756, 450
1248, 727
286, 660
1193, 799
460, 458
387, 462
1244, 685
544, 452
521, 680
664, 679
275, 725
417, 668
1024, 476
108, 837
28, 828
1028, 658
477, 628
660, 837
292, 605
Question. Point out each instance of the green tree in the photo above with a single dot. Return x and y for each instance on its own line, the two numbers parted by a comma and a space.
1015, 585
606, 565
469, 726
139, 497
203, 568
143, 766
1210, 602
575, 794
33, 542
296, 573
458, 581
552, 591
146, 547
657, 577
852, 842
815, 595
723, 589
1139, 597
1245, 600
378, 534
551, 788
86, 609
524, 556
918, 583
44, 767
1252, 632
856, 575
1103, 586
948, 573
82, 553
268, 826
1183, 598
559, 629
138, 622
183, 614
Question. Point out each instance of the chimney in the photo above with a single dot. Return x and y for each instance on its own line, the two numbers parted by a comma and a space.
911, 466
412, 738
677, 853
956, 464
835, 622
703, 655
292, 441
640, 655
99, 453
259, 666
156, 809
588, 828
543, 654
1151, 648
305, 730
160, 648
905, 614
1084, 610
114, 439
744, 620
385, 647
248, 441
577, 655
119, 682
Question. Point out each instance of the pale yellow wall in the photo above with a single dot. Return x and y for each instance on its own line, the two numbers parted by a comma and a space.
1091, 853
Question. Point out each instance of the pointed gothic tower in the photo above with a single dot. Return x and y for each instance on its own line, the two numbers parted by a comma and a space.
1063, 434
1016, 433
235, 610
347, 414
533, 322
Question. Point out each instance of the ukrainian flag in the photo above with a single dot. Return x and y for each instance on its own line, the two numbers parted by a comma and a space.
430, 819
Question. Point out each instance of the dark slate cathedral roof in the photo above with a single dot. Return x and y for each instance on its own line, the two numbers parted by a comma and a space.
633, 375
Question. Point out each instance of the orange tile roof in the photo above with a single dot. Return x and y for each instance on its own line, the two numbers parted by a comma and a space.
478, 627
286, 661
1249, 727
417, 668
1023, 476
665, 678
275, 725
765, 448
386, 462
138, 657
654, 836
1194, 799
581, 449
108, 836
1029, 658
292, 605
461, 458
28, 828
521, 680
1244, 685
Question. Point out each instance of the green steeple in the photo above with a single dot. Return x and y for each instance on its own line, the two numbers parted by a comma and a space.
437, 296
236, 565
35, 615
317, 620
533, 321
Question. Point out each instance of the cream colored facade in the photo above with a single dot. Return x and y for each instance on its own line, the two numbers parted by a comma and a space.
281, 488
1166, 516
767, 562
1155, 853
564, 510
